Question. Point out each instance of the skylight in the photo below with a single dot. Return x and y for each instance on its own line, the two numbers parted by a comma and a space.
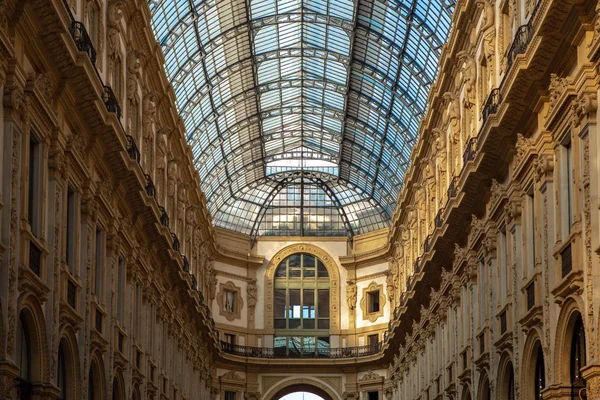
314, 99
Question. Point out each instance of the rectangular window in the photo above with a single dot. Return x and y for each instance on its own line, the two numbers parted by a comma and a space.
502, 266
120, 290
229, 338
567, 184
138, 310
99, 265
373, 301
373, 339
164, 345
482, 291
34, 182
230, 395
530, 232
373, 395
71, 229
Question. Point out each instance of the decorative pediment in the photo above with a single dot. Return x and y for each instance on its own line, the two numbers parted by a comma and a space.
560, 96
231, 377
371, 377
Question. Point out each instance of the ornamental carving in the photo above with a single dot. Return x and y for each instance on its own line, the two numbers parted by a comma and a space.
522, 147
543, 167
372, 290
469, 76
351, 295
585, 104
370, 377
230, 301
556, 88
334, 282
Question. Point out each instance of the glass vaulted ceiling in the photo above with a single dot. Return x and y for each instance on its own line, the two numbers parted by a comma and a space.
301, 114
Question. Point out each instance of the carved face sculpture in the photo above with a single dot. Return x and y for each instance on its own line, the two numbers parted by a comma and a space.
133, 63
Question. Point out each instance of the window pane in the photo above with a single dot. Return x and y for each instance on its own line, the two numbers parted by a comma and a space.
294, 323
280, 272
294, 260
308, 308
309, 273
279, 306
322, 270
323, 324
308, 324
294, 273
323, 303
280, 324
294, 306
309, 261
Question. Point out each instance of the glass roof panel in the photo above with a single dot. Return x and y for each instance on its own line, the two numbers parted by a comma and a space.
301, 114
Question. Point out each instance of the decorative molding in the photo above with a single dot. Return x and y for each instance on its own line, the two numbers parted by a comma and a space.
236, 311
372, 317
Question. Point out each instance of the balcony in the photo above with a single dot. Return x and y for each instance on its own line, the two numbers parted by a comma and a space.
452, 190
305, 352
82, 39
491, 104
110, 101
164, 217
566, 261
520, 43
175, 243
150, 188
132, 149
470, 150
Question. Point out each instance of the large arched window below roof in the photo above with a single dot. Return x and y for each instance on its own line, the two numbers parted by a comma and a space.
301, 306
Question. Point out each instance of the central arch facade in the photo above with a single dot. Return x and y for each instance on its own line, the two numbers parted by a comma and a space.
334, 283
302, 385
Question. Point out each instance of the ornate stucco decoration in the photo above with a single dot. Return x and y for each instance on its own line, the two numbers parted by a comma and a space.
334, 283
230, 301
372, 316
370, 377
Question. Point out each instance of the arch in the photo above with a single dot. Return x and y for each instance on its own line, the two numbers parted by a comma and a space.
505, 389
302, 384
570, 311
96, 378
334, 283
32, 322
118, 386
533, 345
484, 389
69, 355
466, 392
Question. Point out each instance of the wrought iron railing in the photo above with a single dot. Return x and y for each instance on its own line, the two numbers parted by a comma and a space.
470, 150
164, 217
194, 282
186, 264
520, 43
175, 242
492, 103
82, 40
438, 218
132, 149
110, 101
452, 192
35, 258
150, 188
305, 352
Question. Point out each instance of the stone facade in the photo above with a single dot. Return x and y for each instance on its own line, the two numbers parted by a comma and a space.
112, 274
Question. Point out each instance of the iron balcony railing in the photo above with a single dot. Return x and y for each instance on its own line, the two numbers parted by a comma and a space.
492, 103
452, 189
150, 188
132, 149
470, 150
82, 40
305, 352
110, 100
520, 43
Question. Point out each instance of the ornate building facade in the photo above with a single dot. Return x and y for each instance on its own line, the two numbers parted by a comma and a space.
115, 283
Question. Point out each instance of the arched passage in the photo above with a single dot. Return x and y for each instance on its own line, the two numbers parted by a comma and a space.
302, 384
301, 388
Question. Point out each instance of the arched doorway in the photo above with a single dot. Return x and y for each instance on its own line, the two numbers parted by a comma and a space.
301, 396
291, 393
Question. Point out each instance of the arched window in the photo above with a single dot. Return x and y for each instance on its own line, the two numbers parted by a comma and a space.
301, 306
511, 382
61, 374
23, 360
540, 374
577, 361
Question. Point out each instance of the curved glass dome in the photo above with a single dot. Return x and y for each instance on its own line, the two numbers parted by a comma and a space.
301, 114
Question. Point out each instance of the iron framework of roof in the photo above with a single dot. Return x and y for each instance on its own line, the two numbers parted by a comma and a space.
295, 108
